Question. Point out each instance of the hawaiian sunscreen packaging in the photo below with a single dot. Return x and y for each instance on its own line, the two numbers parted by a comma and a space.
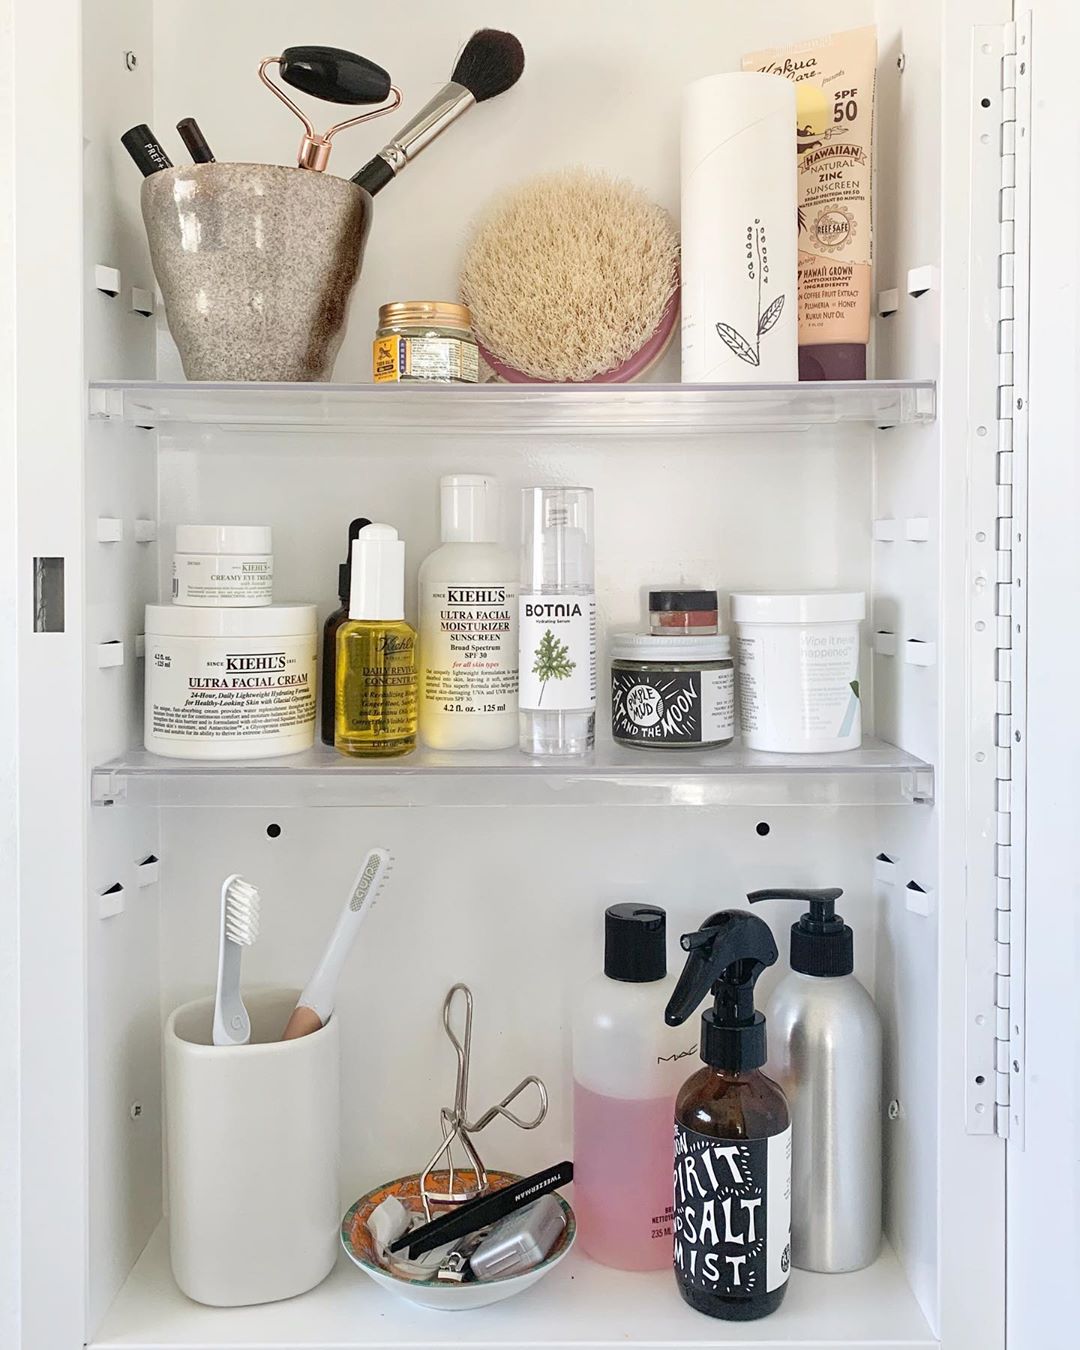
834, 81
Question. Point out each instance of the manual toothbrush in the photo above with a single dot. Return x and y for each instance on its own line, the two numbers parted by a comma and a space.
239, 928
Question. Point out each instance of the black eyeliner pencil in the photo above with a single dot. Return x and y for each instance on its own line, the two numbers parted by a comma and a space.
191, 135
485, 1210
145, 149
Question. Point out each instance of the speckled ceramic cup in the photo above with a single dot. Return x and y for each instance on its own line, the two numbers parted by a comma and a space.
256, 264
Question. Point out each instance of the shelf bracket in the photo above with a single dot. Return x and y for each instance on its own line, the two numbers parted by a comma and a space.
920, 787
106, 787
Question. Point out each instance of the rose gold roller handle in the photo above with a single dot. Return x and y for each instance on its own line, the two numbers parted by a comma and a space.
314, 152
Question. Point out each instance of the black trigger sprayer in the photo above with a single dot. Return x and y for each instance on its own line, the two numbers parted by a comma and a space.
725, 957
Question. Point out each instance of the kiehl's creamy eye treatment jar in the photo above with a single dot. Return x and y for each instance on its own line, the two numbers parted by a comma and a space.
230, 683
227, 566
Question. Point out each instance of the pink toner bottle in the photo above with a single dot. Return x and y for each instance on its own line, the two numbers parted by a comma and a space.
628, 1068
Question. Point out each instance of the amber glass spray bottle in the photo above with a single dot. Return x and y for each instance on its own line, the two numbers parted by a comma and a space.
732, 1132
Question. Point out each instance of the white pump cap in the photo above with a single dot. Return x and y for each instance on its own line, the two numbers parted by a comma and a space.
378, 574
469, 504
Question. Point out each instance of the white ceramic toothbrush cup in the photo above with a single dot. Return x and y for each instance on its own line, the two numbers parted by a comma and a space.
252, 1154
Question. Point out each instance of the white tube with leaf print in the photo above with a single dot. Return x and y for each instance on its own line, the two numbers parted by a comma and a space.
740, 309
557, 628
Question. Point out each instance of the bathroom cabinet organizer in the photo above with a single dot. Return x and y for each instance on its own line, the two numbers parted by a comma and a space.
949, 830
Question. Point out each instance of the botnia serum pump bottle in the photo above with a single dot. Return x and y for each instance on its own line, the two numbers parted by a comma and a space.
732, 1132
375, 707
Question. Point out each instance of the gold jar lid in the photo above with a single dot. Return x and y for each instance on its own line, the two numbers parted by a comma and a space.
437, 313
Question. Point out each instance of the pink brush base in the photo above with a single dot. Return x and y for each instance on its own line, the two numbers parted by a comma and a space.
632, 369
623, 1191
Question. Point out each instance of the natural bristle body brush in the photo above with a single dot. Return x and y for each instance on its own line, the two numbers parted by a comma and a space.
316, 1003
490, 63
239, 929
572, 277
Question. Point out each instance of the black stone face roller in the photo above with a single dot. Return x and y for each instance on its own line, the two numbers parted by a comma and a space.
335, 76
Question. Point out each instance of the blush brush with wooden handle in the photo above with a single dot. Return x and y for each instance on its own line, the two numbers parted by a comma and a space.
316, 1003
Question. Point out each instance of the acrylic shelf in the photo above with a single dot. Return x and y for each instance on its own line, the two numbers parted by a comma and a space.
580, 1304
626, 410
877, 774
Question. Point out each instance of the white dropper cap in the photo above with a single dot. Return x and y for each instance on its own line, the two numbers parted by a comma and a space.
378, 574
469, 505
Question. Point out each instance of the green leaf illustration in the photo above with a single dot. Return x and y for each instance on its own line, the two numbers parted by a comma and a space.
552, 661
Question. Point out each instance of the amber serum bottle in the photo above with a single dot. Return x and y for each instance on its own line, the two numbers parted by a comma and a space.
732, 1132
375, 706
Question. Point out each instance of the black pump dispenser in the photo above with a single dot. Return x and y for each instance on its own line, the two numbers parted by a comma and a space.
726, 956
330, 632
344, 572
821, 942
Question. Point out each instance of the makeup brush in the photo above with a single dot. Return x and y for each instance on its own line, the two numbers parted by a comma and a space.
490, 63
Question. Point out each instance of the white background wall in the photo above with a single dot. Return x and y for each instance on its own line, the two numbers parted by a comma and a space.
1044, 1176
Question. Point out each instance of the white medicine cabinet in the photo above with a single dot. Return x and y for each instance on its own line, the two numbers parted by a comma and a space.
921, 487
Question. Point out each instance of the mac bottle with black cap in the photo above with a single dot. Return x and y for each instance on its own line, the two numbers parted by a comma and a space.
628, 1066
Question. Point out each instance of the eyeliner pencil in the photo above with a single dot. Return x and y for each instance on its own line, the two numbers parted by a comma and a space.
484, 1210
145, 149
191, 135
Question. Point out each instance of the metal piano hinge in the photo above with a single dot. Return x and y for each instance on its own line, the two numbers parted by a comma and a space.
1009, 594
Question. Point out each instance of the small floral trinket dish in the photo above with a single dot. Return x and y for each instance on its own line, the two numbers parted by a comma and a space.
433, 1292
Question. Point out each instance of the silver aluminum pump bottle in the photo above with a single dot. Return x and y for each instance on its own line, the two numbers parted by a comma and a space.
825, 1051
557, 627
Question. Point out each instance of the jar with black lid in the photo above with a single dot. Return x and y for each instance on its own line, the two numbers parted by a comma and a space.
679, 613
672, 692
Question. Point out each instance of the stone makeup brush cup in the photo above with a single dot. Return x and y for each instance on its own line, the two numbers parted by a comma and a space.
257, 265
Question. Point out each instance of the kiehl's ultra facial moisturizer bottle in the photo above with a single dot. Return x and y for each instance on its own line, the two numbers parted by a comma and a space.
468, 624
375, 710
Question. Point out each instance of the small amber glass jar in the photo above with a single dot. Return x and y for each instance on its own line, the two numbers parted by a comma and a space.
427, 340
